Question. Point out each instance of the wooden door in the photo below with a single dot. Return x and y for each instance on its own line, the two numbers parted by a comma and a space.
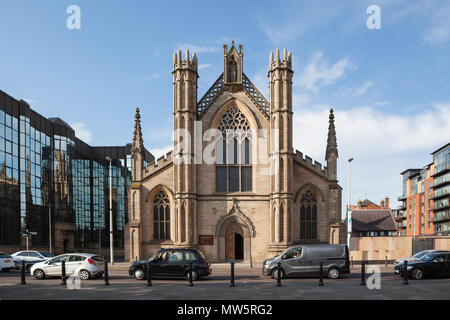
229, 246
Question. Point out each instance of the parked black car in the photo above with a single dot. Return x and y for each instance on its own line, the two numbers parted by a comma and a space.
172, 263
432, 264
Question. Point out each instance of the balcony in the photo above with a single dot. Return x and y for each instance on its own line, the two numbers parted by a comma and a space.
441, 181
441, 170
441, 193
441, 206
401, 224
400, 215
441, 216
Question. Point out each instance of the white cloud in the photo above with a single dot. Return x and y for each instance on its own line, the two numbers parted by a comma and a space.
318, 73
261, 82
197, 49
203, 66
382, 143
439, 31
158, 152
29, 101
81, 131
354, 91
291, 19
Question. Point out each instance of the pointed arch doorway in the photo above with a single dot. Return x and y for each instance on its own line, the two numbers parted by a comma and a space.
234, 242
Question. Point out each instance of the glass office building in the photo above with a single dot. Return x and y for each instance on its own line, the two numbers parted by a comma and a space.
51, 179
441, 188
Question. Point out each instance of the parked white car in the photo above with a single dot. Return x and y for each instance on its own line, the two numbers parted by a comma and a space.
6, 262
86, 265
30, 257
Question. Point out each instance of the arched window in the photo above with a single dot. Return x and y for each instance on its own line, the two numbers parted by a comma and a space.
308, 216
161, 216
234, 153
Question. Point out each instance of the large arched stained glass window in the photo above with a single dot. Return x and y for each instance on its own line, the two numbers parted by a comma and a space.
308, 216
161, 216
234, 153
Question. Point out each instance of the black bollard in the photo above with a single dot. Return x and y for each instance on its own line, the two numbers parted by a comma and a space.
279, 274
63, 273
190, 275
363, 273
106, 274
149, 274
321, 275
405, 272
22, 274
232, 275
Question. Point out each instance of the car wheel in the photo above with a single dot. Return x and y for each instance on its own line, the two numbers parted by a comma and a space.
417, 274
139, 274
28, 267
84, 275
333, 273
99, 276
275, 273
5, 270
39, 274
194, 275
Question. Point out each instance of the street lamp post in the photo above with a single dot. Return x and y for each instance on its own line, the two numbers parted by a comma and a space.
349, 219
50, 227
111, 243
99, 235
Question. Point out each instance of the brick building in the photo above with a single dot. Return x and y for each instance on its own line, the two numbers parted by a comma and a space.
425, 208
237, 206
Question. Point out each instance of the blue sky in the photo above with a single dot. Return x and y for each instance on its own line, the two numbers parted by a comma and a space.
390, 88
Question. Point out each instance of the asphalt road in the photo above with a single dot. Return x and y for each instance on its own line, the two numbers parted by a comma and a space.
250, 284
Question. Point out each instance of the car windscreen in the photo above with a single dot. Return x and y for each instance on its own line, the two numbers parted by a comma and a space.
420, 254
153, 257
46, 254
203, 256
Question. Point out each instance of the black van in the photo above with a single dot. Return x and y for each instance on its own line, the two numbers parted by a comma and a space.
172, 263
306, 259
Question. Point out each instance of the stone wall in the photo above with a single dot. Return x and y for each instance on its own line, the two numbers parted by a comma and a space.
378, 248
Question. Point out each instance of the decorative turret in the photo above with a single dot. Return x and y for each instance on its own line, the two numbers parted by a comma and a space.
138, 142
232, 64
185, 77
331, 154
137, 149
281, 151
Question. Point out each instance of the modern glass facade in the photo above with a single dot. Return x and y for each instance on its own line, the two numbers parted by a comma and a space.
45, 168
441, 186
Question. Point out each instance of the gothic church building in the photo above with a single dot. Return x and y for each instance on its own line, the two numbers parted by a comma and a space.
257, 197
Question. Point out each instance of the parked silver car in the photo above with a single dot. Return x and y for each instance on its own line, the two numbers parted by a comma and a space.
30, 257
86, 265
6, 262
306, 259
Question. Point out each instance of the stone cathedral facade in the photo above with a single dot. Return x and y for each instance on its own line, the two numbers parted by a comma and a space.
234, 187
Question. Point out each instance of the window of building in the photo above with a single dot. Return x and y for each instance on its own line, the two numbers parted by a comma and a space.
308, 216
234, 153
161, 216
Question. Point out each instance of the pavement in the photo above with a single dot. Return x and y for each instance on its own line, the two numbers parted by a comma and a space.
249, 284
